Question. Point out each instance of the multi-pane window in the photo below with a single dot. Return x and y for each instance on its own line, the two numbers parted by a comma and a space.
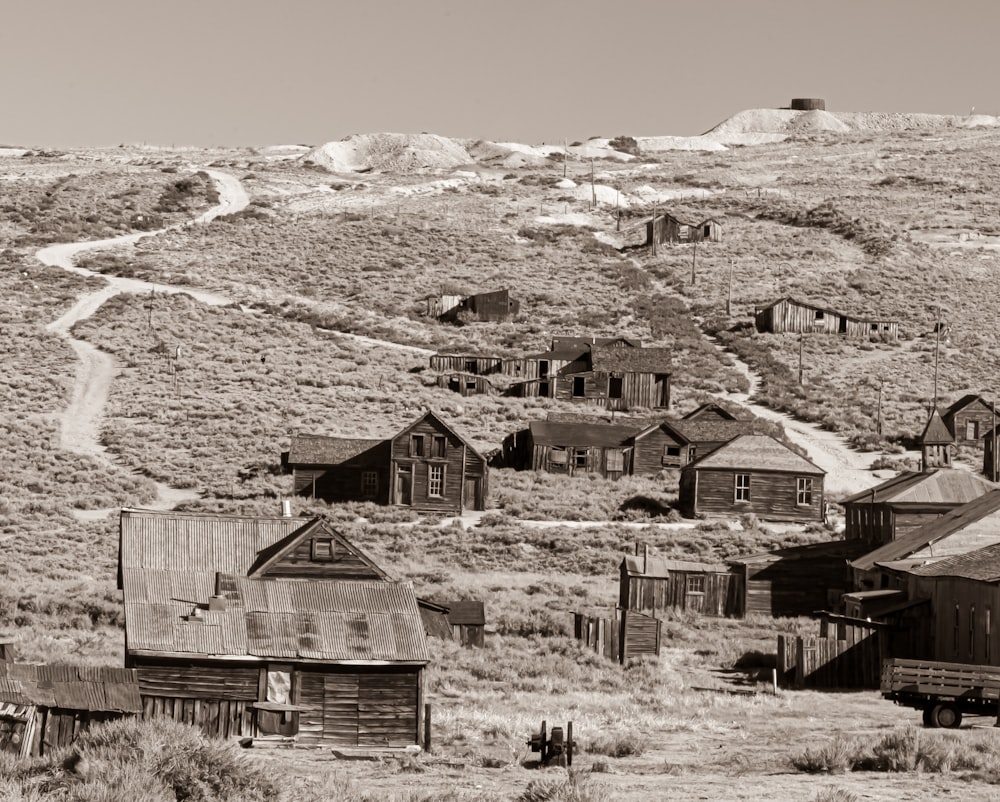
580, 458
435, 480
696, 583
804, 491
741, 490
369, 484
416, 445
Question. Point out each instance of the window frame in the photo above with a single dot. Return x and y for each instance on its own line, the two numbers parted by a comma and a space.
417, 445
803, 491
432, 480
322, 550
369, 484
616, 387
741, 488
579, 387
439, 446
695, 583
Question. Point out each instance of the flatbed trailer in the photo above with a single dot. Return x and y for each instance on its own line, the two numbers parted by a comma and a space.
943, 691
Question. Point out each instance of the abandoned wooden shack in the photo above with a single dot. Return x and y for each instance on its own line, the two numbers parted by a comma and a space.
621, 636
968, 527
467, 619
673, 443
753, 473
44, 708
427, 466
668, 228
488, 307
969, 419
652, 584
269, 628
799, 317
899, 505
572, 448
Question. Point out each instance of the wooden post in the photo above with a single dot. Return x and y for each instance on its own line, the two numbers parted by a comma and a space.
802, 337
427, 726
652, 230
593, 189
729, 300
937, 348
565, 157
694, 262
878, 419
993, 457
774, 681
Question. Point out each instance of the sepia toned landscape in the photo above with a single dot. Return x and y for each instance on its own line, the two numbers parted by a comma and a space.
179, 322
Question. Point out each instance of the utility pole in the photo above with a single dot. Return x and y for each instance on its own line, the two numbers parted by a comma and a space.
565, 157
993, 447
878, 419
937, 349
593, 189
802, 338
729, 300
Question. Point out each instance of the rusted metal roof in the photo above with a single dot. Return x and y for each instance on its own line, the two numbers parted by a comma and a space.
755, 452
315, 449
90, 688
966, 516
943, 486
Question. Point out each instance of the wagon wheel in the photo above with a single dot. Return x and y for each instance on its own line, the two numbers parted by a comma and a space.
946, 715
928, 718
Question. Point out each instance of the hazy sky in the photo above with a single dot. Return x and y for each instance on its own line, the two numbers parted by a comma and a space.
250, 72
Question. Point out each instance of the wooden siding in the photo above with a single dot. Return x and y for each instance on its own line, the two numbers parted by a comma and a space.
470, 634
869, 522
611, 463
668, 229
721, 594
30, 731
773, 495
459, 462
958, 610
790, 587
628, 634
466, 384
467, 363
647, 390
216, 718
650, 455
970, 423
788, 316
197, 680
843, 656
299, 563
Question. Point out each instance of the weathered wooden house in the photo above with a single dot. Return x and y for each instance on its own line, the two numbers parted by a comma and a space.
667, 228
536, 373
899, 505
799, 317
45, 708
572, 448
652, 584
753, 473
799, 580
969, 419
969, 527
674, 443
427, 466
269, 628
489, 307
466, 374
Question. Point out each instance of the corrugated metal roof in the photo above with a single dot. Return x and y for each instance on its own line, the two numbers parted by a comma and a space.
982, 564
315, 449
755, 452
600, 435
940, 528
90, 688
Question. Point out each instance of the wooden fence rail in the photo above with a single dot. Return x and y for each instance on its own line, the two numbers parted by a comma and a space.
628, 633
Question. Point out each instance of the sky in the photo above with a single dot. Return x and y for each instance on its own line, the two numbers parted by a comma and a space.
260, 72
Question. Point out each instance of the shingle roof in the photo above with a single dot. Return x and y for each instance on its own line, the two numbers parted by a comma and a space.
90, 688
982, 564
757, 452
936, 432
314, 449
966, 516
713, 430
600, 435
943, 486
661, 567
631, 360
712, 408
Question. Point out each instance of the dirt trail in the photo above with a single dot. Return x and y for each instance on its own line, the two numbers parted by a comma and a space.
81, 422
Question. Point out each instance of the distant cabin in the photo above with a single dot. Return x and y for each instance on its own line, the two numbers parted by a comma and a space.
466, 374
572, 449
655, 585
969, 419
798, 317
669, 229
488, 307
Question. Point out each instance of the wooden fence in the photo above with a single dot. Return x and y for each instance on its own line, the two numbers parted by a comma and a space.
628, 634
846, 654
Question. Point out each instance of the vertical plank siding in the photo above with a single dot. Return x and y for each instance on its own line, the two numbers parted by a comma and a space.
722, 597
629, 634
459, 462
789, 316
773, 495
844, 655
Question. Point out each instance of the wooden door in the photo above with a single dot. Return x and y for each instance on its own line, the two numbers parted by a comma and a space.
470, 497
404, 485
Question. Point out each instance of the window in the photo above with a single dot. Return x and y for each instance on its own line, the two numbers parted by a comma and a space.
972, 631
439, 445
742, 487
696, 583
416, 445
972, 430
615, 460
557, 458
470, 385
323, 550
470, 366
435, 480
707, 231
369, 484
580, 458
819, 314
874, 326
615, 387
579, 387
956, 635
804, 491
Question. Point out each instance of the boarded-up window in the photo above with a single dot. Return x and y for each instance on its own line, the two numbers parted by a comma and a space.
615, 387
615, 459
580, 458
972, 430
557, 458
324, 549
741, 487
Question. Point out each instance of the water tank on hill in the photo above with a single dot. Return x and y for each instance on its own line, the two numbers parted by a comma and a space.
808, 103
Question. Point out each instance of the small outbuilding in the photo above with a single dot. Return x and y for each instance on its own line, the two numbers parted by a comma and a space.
670, 228
651, 584
969, 419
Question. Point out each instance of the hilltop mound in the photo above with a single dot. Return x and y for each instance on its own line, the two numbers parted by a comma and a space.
397, 153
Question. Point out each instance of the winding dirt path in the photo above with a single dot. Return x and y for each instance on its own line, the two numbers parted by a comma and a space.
81, 422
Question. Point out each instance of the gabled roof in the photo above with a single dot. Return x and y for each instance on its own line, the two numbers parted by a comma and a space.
982, 565
661, 567
631, 360
579, 344
963, 402
713, 410
965, 516
315, 449
707, 430
97, 689
317, 527
346, 621
755, 452
935, 432
943, 486
599, 435
431, 415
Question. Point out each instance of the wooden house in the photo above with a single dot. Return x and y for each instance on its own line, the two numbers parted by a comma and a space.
572, 448
466, 374
991, 454
45, 708
427, 466
269, 628
799, 580
899, 505
652, 584
753, 473
489, 307
673, 443
668, 228
799, 317
965, 528
969, 419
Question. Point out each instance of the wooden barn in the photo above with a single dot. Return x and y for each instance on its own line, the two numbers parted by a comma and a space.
269, 628
669, 229
891, 510
969, 419
45, 708
753, 473
966, 528
652, 584
488, 307
799, 580
799, 317
572, 448
427, 466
